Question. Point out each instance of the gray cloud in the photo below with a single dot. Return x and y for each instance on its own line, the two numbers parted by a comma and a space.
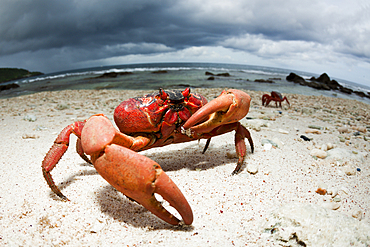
57, 35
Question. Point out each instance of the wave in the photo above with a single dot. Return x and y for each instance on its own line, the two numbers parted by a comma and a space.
231, 68
151, 68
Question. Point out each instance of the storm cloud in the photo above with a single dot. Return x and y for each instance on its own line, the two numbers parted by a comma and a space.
50, 35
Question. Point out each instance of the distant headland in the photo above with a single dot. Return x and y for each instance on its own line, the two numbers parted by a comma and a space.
10, 74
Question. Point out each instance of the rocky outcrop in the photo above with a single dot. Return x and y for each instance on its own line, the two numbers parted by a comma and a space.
220, 74
264, 81
296, 79
113, 74
323, 82
160, 72
8, 86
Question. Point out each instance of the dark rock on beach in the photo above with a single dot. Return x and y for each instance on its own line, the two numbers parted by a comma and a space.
296, 79
361, 94
324, 79
8, 86
220, 74
323, 82
264, 81
160, 72
113, 74
223, 74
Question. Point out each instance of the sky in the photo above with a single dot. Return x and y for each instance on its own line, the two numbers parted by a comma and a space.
316, 36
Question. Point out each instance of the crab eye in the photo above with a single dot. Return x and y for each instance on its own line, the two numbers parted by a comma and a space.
186, 92
163, 94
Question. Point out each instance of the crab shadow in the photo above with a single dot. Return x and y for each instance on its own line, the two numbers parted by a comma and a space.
119, 207
74, 178
192, 158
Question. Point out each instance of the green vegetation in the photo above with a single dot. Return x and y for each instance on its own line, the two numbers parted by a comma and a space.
9, 74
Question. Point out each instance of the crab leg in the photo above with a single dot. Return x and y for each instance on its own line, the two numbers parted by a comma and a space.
56, 152
133, 174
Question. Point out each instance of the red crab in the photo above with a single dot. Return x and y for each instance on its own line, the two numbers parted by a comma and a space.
155, 120
275, 96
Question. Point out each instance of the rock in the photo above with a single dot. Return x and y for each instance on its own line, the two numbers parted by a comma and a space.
329, 146
8, 86
62, 106
223, 74
267, 146
333, 192
321, 191
331, 205
301, 224
30, 117
98, 226
336, 199
305, 138
308, 111
113, 74
318, 153
312, 131
322, 83
326, 147
211, 78
30, 136
264, 81
343, 130
341, 154
349, 170
357, 213
278, 142
252, 168
341, 139
266, 141
160, 72
40, 128
220, 74
315, 127
359, 93
346, 90
360, 128
319, 86
324, 78
357, 133
256, 124
283, 131
295, 78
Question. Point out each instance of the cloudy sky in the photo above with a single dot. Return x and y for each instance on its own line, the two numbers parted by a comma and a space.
315, 36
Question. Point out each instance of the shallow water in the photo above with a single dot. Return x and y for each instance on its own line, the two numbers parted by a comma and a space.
176, 76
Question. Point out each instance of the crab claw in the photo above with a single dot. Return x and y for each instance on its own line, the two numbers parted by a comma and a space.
139, 177
231, 106
135, 175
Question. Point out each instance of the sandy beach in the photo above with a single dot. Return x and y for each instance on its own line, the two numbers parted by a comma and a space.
290, 192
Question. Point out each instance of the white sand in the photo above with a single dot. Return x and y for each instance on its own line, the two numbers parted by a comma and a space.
228, 210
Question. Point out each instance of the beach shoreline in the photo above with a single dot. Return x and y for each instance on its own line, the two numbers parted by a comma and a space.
284, 173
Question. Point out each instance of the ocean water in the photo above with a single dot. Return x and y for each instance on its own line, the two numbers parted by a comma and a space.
179, 75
